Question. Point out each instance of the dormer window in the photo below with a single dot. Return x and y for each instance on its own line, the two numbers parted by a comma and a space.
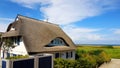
57, 42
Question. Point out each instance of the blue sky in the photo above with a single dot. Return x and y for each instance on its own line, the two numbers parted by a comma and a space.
85, 21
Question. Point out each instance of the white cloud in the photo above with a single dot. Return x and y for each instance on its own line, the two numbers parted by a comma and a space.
6, 19
92, 35
116, 31
82, 34
66, 11
31, 3
4, 22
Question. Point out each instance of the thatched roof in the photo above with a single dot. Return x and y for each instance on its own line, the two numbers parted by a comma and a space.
37, 34
10, 33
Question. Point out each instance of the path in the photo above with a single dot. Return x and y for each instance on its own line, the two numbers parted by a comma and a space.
115, 63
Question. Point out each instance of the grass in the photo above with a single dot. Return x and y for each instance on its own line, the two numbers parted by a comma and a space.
112, 51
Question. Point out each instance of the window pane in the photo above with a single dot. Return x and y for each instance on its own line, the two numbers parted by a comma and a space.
71, 54
57, 55
66, 54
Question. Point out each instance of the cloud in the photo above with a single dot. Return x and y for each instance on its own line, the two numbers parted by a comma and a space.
6, 19
31, 3
82, 34
65, 11
68, 12
4, 23
116, 31
92, 35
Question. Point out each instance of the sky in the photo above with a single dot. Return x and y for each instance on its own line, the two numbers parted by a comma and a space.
84, 21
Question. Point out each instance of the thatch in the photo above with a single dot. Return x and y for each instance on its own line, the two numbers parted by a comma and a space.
37, 34
10, 34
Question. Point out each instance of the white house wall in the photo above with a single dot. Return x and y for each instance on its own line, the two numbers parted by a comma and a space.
19, 49
63, 55
73, 55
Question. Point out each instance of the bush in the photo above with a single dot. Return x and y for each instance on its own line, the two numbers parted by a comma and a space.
18, 57
91, 59
84, 59
100, 56
64, 63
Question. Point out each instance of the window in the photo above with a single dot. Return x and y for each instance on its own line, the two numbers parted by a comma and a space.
17, 40
57, 41
66, 54
57, 55
69, 54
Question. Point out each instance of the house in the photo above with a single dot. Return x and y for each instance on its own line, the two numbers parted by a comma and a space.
32, 36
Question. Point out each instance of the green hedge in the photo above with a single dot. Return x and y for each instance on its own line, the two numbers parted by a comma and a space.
84, 59
93, 58
18, 57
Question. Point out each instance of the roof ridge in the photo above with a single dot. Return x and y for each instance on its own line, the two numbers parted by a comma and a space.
35, 19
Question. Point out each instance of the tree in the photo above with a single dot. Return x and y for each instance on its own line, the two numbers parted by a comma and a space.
8, 43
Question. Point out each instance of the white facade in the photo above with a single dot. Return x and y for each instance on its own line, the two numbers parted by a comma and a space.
19, 49
65, 55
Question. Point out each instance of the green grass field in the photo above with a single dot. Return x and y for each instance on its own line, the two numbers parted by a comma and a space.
112, 51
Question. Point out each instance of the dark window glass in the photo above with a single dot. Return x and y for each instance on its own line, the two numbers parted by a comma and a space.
71, 54
66, 54
57, 55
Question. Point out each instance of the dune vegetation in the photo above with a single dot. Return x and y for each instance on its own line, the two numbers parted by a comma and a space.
112, 51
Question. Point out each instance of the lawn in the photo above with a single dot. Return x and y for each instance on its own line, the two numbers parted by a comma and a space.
112, 51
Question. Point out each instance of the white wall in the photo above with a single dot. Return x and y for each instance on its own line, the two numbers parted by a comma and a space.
63, 55
73, 55
19, 49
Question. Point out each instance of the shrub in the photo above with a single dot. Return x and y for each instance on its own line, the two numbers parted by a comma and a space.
84, 59
91, 59
64, 63
18, 57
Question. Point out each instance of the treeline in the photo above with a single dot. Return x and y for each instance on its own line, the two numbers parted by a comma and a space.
84, 59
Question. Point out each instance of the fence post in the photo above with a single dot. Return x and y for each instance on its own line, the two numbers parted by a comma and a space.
35, 61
